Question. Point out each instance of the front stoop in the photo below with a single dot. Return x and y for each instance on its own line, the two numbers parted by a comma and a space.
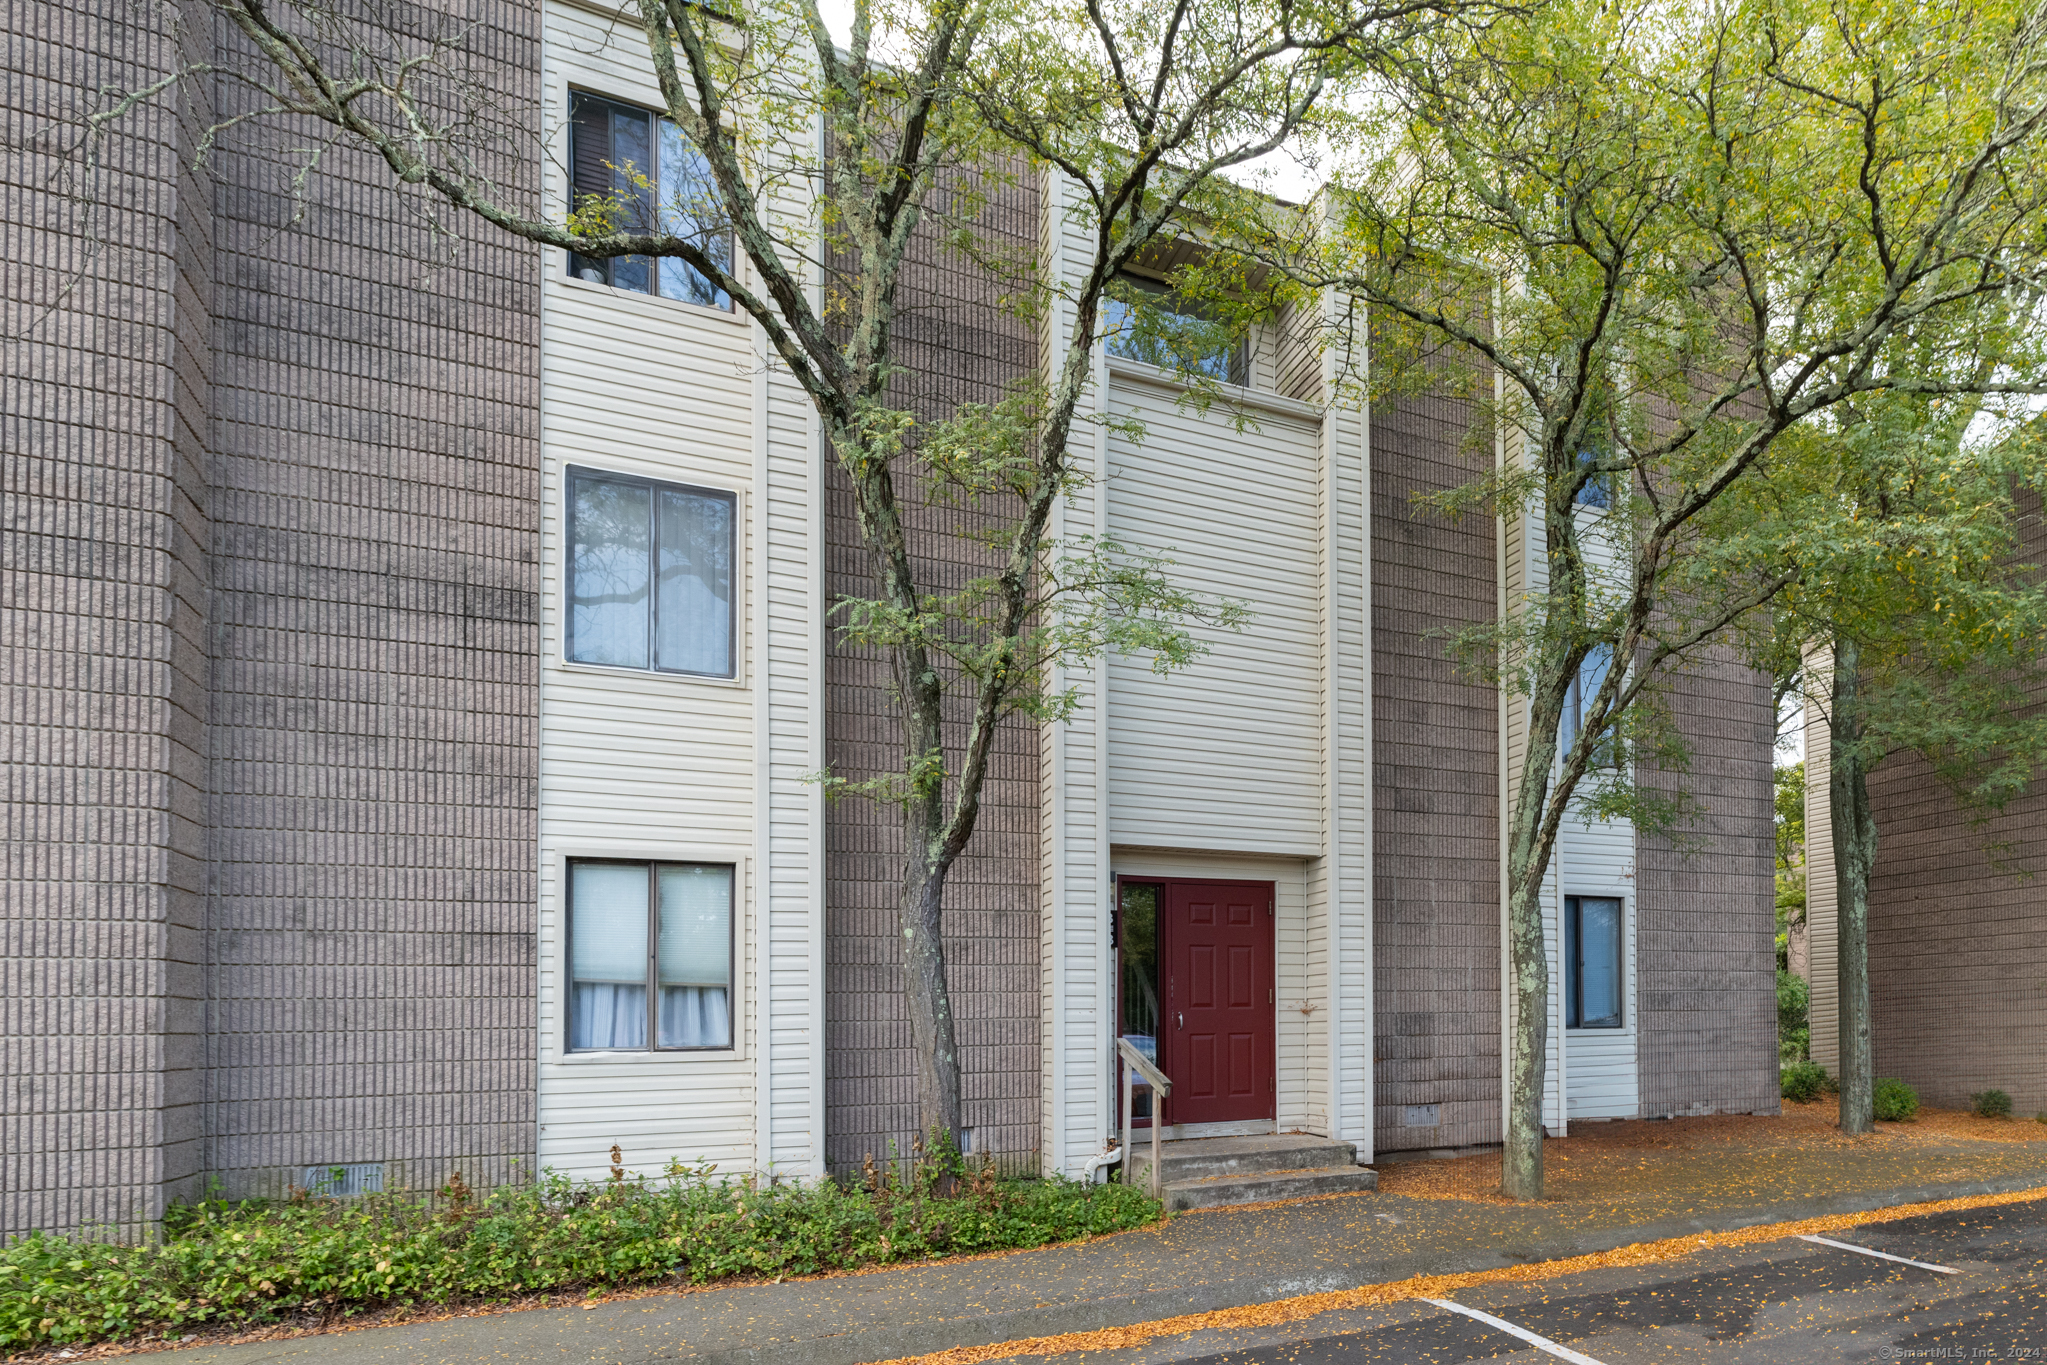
1204, 1173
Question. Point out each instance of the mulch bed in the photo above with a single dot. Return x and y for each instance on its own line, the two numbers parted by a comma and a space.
1599, 1160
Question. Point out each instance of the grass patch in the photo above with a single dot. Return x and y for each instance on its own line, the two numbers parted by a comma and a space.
222, 1264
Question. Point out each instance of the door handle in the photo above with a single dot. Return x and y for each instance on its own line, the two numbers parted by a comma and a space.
1181, 1017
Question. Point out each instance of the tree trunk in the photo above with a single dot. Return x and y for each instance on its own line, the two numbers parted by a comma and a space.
1521, 1157
924, 992
1854, 853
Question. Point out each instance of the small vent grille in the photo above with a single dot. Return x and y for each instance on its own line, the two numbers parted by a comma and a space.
343, 1182
1422, 1116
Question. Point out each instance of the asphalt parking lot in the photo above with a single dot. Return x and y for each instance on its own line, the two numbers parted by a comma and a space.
1790, 1300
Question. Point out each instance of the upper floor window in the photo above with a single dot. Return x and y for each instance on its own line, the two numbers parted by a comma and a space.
1595, 491
650, 955
1593, 964
1149, 322
1578, 700
663, 182
650, 574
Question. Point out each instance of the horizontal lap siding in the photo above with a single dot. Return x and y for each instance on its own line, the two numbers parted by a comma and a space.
1435, 786
636, 764
1597, 858
956, 345
1226, 753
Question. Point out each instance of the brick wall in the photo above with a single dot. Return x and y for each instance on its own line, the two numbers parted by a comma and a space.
267, 654
1435, 789
956, 345
376, 654
1706, 967
1958, 931
102, 670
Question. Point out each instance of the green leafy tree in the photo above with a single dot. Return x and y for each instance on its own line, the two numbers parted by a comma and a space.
1142, 107
1926, 628
1658, 239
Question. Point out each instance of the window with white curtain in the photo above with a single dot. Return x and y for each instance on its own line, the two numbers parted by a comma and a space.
650, 574
650, 955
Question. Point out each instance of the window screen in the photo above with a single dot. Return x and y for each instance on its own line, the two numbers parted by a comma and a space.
649, 574
1594, 972
661, 182
650, 955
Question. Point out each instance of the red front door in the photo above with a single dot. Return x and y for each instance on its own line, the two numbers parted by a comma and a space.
1217, 1031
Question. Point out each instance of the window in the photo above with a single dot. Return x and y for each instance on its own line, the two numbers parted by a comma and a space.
1137, 994
1593, 979
1591, 677
664, 185
650, 574
1594, 492
1151, 323
650, 955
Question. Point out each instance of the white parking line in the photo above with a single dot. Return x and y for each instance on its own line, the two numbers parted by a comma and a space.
1881, 1255
1539, 1342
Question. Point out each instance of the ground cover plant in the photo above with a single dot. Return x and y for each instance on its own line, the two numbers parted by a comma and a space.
1802, 1081
1894, 1101
224, 1263
1990, 1104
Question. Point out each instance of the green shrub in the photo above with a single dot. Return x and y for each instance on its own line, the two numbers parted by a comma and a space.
221, 1263
1894, 1101
1794, 1034
1802, 1081
1990, 1104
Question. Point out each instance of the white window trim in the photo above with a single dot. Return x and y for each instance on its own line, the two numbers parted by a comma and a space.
634, 85
555, 969
558, 573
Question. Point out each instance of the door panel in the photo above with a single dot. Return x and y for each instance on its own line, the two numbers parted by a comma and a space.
1216, 1028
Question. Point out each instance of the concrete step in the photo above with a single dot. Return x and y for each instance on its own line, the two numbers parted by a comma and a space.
1217, 1190
1205, 1158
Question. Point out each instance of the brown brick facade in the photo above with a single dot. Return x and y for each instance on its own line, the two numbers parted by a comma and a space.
271, 538
1435, 790
957, 345
1706, 966
1958, 931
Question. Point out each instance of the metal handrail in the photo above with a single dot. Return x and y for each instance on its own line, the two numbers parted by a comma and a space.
1136, 1064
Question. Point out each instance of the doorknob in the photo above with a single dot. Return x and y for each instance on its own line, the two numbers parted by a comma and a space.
1181, 1017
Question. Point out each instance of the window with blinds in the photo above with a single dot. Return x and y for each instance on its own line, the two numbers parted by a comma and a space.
649, 574
660, 182
650, 956
1594, 968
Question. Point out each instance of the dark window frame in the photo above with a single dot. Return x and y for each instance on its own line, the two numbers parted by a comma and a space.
570, 474
1142, 1116
1574, 965
653, 986
579, 97
1238, 362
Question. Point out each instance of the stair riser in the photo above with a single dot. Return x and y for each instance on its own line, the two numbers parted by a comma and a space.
1178, 1168
1255, 1190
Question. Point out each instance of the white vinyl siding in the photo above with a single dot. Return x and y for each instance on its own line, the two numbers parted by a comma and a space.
637, 764
1597, 858
1226, 754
